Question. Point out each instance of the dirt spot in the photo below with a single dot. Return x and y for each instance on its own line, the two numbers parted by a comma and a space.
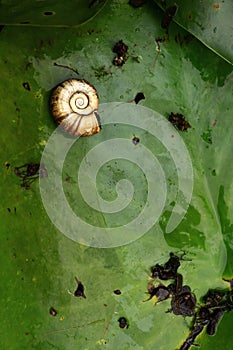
178, 120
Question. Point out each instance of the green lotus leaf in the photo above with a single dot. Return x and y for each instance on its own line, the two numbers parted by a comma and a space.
38, 262
48, 13
208, 21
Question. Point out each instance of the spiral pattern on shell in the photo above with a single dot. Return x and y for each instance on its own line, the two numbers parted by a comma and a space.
74, 106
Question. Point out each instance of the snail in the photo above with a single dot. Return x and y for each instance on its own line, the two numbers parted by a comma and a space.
74, 105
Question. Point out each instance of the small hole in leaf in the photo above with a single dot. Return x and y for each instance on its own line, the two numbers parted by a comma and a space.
25, 22
26, 86
140, 96
49, 13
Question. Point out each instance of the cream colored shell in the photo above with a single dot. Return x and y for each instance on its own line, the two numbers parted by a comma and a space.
74, 106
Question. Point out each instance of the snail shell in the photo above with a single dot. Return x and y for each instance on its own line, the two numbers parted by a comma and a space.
74, 105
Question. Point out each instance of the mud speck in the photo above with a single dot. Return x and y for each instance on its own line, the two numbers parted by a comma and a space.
178, 120
117, 291
135, 140
29, 172
7, 165
121, 49
52, 312
79, 292
123, 323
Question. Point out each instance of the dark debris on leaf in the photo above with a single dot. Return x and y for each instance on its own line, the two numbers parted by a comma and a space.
120, 48
52, 312
178, 120
7, 165
161, 292
123, 323
214, 304
79, 292
29, 172
135, 140
117, 291
206, 315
